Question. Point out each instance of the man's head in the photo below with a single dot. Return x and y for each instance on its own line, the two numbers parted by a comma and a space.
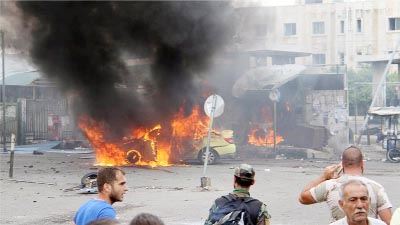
352, 158
146, 219
354, 200
244, 175
111, 181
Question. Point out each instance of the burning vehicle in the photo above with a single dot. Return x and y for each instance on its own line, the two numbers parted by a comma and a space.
182, 139
221, 146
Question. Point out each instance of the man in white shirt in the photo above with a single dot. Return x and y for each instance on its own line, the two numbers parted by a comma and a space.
326, 187
354, 201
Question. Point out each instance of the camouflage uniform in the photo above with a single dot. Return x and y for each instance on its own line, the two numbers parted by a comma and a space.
246, 172
263, 215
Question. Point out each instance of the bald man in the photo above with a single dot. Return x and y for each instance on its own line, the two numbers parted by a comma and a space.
326, 187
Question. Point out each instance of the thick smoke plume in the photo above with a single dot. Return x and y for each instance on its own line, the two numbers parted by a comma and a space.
83, 45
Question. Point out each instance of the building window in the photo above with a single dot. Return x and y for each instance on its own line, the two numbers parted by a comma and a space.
318, 59
290, 29
359, 25
313, 1
341, 58
394, 23
342, 26
318, 27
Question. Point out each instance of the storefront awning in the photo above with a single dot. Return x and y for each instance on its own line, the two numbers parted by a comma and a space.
266, 78
384, 111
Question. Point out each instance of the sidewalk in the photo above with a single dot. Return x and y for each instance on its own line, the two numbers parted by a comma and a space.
374, 151
45, 146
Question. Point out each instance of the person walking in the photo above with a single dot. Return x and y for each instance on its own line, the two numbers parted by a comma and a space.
238, 205
326, 187
111, 182
354, 200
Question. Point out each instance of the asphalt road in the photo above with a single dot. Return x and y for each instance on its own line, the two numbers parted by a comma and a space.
43, 189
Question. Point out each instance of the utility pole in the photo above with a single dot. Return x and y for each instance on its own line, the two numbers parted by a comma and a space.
382, 84
3, 89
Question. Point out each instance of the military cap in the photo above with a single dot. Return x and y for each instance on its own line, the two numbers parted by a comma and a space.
245, 172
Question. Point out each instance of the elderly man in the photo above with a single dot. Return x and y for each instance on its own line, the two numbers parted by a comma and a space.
112, 186
326, 187
238, 205
354, 200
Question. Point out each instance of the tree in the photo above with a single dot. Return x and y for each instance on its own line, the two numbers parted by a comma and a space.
360, 90
392, 90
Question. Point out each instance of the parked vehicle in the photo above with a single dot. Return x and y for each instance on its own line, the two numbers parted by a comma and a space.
393, 150
221, 146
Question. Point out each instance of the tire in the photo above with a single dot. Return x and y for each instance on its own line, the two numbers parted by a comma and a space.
133, 156
88, 179
213, 156
393, 155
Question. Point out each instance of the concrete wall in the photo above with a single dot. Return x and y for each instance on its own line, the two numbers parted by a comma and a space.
328, 108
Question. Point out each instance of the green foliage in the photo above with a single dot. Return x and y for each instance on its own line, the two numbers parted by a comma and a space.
360, 90
392, 90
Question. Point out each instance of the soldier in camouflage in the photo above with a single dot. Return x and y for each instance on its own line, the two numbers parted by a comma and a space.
243, 179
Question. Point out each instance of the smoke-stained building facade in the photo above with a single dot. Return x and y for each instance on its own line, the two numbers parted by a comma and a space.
338, 35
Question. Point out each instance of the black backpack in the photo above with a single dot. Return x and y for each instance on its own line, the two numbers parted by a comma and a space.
231, 210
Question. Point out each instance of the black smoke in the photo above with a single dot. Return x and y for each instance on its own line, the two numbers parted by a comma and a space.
83, 45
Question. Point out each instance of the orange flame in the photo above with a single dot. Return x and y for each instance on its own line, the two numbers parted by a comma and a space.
107, 154
258, 134
186, 132
258, 137
195, 125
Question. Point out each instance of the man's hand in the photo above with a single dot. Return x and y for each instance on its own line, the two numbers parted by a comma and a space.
329, 173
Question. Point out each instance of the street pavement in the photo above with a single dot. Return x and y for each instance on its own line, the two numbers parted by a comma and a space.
44, 188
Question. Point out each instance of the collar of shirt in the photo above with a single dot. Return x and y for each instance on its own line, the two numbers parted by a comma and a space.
241, 193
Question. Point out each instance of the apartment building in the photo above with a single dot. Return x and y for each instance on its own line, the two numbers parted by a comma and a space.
320, 33
332, 31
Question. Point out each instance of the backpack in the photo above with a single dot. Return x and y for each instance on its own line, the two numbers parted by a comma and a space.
235, 211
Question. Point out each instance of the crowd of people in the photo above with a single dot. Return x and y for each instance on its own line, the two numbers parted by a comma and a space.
352, 198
